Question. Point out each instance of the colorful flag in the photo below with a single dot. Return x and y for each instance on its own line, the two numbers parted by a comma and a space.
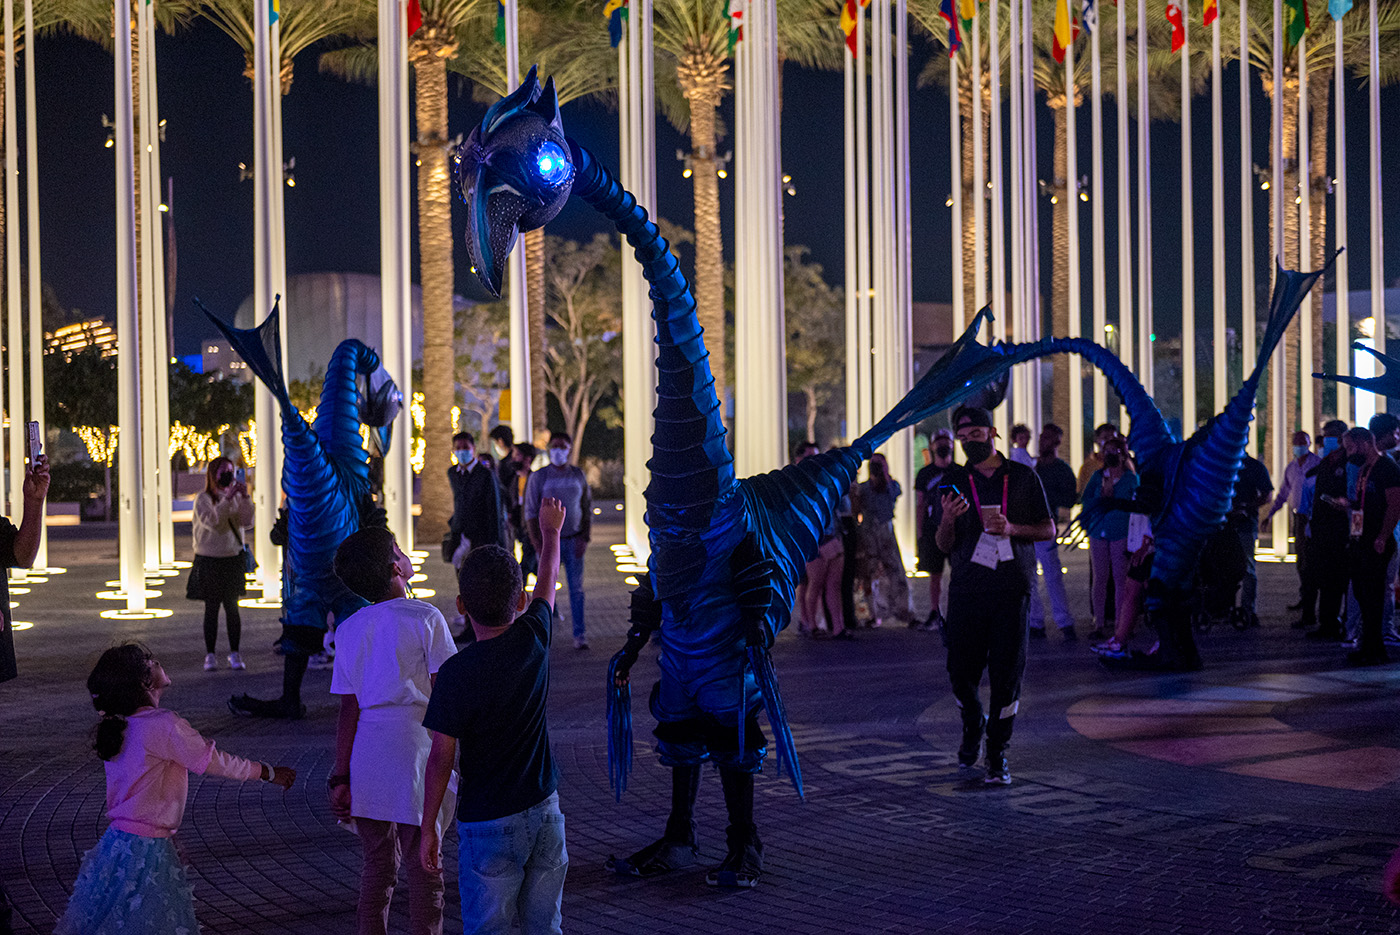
272, 12
1297, 20
1212, 10
1338, 8
500, 23
736, 24
945, 10
1062, 30
1178, 27
415, 17
848, 24
966, 13
615, 12
1089, 13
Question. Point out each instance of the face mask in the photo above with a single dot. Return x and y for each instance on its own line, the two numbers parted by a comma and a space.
558, 456
1112, 460
1300, 451
1330, 444
942, 453
464, 457
1357, 459
976, 452
225, 478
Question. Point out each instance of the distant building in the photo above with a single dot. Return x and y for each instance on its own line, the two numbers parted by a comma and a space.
217, 354
70, 339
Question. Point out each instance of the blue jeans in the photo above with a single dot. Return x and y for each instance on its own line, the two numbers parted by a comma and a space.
511, 871
572, 563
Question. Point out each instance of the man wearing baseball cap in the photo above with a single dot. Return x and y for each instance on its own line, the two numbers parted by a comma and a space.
991, 521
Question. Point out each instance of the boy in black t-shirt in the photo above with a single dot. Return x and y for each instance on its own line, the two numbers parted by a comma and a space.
490, 700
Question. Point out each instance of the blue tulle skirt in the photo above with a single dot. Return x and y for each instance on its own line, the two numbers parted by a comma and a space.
130, 885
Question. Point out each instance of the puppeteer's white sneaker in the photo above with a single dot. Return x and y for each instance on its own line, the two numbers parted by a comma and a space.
235, 661
211, 662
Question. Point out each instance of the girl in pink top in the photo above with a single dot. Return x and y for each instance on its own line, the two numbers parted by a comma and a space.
133, 880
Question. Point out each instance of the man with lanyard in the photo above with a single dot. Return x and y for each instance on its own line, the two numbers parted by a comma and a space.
992, 516
926, 484
1374, 513
1385, 428
1328, 532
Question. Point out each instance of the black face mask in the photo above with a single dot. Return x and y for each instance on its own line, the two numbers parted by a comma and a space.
1357, 459
225, 478
976, 452
942, 452
1112, 460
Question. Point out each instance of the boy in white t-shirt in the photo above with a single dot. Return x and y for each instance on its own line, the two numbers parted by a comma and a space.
387, 658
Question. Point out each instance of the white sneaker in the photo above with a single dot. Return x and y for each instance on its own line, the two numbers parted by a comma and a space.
211, 662
321, 661
235, 661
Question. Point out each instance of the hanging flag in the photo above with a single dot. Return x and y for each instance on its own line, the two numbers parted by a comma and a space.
736, 24
1338, 8
848, 24
1178, 26
1089, 13
1297, 19
1062, 30
945, 10
966, 13
1212, 10
615, 12
500, 23
272, 12
415, 17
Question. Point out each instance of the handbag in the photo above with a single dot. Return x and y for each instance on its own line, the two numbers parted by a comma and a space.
250, 564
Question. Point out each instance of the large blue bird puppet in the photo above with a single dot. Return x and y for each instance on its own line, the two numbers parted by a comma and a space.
326, 478
726, 554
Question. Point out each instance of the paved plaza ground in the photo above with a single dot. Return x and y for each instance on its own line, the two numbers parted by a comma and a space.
1261, 795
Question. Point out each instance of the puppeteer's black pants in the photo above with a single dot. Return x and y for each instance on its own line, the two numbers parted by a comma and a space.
987, 631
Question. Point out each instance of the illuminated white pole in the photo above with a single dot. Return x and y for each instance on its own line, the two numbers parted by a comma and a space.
1188, 239
15, 362
394, 235
1032, 311
150, 196
1144, 168
1377, 216
955, 147
267, 175
1127, 349
900, 447
979, 178
1306, 414
864, 335
1277, 394
1342, 361
36, 320
1014, 409
1100, 317
1076, 312
164, 533
131, 531
854, 353
998, 226
879, 207
517, 297
1248, 336
1217, 218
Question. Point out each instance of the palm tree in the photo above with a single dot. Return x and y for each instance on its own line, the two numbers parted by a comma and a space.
301, 23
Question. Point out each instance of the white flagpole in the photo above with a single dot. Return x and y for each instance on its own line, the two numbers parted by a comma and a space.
267, 174
1096, 206
1188, 240
855, 355
1217, 216
1032, 314
1306, 414
1280, 431
131, 530
1076, 311
165, 486
1144, 166
15, 360
1015, 402
864, 329
1377, 216
518, 299
1248, 336
999, 304
901, 448
1127, 346
955, 147
879, 216
1342, 353
150, 456
979, 176
36, 321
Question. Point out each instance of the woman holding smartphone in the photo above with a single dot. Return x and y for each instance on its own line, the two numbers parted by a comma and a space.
221, 513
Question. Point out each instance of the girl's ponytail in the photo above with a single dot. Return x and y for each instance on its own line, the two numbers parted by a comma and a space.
119, 684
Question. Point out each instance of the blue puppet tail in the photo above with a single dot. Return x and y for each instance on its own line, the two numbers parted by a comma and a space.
619, 731
767, 678
260, 348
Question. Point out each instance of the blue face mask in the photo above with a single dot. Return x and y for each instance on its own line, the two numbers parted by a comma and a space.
1330, 444
1300, 451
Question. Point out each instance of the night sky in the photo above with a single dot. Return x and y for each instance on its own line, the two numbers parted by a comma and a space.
332, 213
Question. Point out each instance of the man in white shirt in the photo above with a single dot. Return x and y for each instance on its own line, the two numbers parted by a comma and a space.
1291, 492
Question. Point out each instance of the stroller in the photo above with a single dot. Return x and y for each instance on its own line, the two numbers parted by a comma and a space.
1222, 569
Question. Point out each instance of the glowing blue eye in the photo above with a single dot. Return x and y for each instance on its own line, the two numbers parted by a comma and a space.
553, 164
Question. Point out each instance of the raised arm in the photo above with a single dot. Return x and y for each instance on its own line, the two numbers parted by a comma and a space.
550, 519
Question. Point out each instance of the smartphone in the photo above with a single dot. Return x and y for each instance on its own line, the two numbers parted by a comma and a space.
36, 445
946, 489
239, 474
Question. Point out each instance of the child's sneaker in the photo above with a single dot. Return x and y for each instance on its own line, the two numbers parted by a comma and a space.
211, 662
235, 662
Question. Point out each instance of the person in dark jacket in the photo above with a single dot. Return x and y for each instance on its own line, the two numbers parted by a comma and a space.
1058, 479
476, 501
